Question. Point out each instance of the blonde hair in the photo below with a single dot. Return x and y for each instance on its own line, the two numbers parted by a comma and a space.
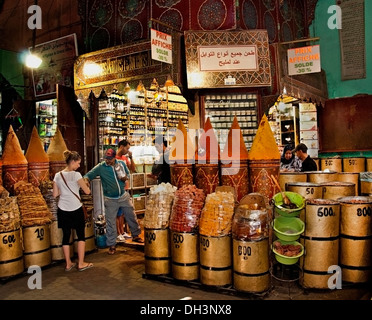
71, 156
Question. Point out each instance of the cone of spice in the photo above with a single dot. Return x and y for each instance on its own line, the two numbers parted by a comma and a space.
207, 158
38, 160
234, 161
55, 153
264, 161
181, 158
14, 162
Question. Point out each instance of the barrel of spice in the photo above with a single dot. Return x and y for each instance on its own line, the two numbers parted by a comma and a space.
215, 239
352, 177
234, 162
354, 164
321, 176
55, 153
184, 224
335, 189
250, 233
38, 160
156, 225
264, 162
321, 242
181, 158
331, 164
356, 239
11, 251
15, 168
286, 177
366, 183
207, 158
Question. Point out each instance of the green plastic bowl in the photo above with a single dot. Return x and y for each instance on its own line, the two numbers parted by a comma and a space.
288, 260
288, 229
295, 198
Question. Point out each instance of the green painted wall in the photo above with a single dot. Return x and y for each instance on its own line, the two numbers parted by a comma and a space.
331, 55
12, 69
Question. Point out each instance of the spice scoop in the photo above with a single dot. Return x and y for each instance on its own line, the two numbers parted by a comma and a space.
286, 201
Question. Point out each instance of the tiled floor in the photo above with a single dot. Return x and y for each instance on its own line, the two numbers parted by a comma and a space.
121, 277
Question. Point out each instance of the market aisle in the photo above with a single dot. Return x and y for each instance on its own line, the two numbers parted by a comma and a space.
120, 277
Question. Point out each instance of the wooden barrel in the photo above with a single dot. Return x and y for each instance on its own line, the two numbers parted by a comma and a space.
56, 236
260, 181
251, 265
332, 164
366, 188
369, 164
290, 177
38, 172
54, 167
207, 177
308, 190
215, 260
321, 176
11, 253
13, 174
157, 252
335, 190
357, 164
36, 245
321, 242
181, 174
356, 239
235, 175
90, 242
352, 177
185, 255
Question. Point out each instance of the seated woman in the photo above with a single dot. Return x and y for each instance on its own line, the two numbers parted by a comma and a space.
288, 161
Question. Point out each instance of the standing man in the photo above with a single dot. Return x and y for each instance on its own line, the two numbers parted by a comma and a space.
113, 174
308, 164
124, 154
161, 168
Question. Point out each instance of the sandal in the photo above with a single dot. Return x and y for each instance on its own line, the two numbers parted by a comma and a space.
88, 266
73, 265
112, 250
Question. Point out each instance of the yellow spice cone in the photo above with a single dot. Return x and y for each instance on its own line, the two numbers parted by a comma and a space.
264, 146
35, 151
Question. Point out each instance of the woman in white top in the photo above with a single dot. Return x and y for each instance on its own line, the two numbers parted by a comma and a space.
70, 213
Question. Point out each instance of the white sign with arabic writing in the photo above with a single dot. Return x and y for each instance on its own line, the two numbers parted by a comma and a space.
217, 58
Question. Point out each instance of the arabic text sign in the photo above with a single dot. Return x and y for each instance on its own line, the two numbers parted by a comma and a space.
161, 46
304, 60
217, 58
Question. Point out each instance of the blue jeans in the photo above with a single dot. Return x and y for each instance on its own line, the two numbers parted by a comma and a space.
111, 209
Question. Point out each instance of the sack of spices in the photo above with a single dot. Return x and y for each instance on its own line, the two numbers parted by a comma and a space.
216, 216
186, 210
159, 206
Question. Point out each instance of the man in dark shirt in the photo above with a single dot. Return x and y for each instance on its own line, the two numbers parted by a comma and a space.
161, 168
308, 164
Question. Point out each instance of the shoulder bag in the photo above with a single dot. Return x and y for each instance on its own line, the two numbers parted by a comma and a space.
85, 210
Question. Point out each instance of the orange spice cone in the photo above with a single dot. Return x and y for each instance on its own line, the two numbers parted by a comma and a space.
55, 152
38, 160
207, 160
14, 162
181, 158
234, 162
